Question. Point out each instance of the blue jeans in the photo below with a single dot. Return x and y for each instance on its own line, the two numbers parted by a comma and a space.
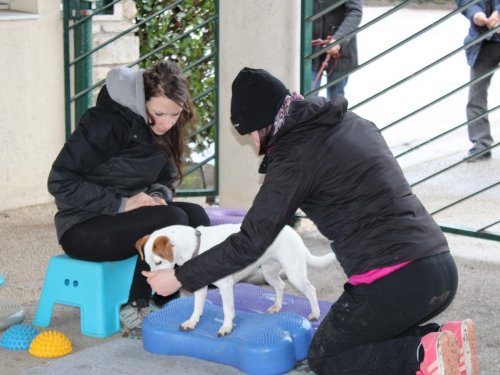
479, 131
331, 91
375, 329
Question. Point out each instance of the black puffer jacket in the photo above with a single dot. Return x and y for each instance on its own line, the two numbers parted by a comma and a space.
338, 169
110, 156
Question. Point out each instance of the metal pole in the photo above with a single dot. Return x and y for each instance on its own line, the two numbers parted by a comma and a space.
306, 46
67, 75
83, 68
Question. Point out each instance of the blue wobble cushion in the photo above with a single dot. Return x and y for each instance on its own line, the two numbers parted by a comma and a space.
260, 344
252, 298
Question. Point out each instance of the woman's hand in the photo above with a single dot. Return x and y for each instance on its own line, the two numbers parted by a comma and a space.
480, 19
159, 200
163, 282
493, 21
334, 51
142, 200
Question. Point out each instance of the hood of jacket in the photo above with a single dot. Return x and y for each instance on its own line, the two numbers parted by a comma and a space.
303, 116
126, 87
316, 111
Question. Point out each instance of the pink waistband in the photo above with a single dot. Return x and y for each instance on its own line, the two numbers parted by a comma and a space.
373, 275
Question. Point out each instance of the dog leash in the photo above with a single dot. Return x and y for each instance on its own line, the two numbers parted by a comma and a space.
323, 42
198, 243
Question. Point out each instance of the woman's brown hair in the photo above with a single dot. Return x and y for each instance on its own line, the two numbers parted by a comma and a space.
166, 79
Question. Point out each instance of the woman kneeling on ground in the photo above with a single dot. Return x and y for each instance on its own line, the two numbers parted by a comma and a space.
336, 167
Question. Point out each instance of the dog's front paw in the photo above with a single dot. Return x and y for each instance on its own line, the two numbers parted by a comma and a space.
224, 331
188, 325
313, 317
274, 309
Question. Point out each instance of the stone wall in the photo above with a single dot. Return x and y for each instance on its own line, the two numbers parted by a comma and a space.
123, 50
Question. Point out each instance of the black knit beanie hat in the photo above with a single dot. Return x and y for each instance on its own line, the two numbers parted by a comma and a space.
256, 99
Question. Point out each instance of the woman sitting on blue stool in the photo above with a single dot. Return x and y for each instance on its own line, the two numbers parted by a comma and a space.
114, 179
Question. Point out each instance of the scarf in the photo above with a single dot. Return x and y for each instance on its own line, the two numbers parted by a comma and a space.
279, 120
265, 134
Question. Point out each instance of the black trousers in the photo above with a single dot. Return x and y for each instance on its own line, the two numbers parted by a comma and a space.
111, 238
376, 328
477, 103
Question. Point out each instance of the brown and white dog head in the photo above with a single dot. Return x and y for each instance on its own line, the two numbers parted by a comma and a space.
159, 253
166, 247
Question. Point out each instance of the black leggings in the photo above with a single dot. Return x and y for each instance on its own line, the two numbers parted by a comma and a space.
110, 238
376, 328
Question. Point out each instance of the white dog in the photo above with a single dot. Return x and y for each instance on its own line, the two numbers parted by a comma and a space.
177, 244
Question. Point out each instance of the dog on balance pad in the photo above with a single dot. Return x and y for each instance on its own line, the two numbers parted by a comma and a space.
177, 244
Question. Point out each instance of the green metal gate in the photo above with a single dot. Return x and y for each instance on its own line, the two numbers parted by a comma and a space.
82, 82
454, 204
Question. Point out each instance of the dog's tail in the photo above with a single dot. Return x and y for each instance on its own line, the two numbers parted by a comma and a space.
320, 261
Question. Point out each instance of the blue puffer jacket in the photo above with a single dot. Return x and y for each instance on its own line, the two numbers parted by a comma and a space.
487, 7
109, 157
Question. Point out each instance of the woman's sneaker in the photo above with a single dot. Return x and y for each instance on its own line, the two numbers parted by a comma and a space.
441, 354
131, 317
465, 331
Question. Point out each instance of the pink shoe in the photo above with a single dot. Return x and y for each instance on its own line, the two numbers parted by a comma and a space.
465, 331
441, 354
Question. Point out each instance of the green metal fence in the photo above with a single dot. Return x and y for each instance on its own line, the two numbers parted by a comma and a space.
446, 168
80, 49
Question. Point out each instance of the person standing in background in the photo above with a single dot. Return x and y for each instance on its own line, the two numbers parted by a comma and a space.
481, 57
333, 26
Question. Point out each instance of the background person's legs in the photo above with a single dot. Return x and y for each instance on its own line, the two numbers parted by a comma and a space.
479, 130
337, 89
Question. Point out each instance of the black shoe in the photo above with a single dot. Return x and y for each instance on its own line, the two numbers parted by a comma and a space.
477, 154
158, 301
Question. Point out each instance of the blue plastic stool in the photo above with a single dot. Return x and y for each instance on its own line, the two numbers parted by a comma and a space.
2, 279
97, 288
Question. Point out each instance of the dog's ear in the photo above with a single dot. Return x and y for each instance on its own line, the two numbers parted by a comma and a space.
140, 244
164, 248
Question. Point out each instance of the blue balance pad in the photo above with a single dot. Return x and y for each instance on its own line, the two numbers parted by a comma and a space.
261, 344
252, 298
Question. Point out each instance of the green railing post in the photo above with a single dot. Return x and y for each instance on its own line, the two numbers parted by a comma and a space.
67, 76
83, 68
306, 46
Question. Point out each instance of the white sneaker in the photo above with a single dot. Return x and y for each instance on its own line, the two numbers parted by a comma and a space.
131, 317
